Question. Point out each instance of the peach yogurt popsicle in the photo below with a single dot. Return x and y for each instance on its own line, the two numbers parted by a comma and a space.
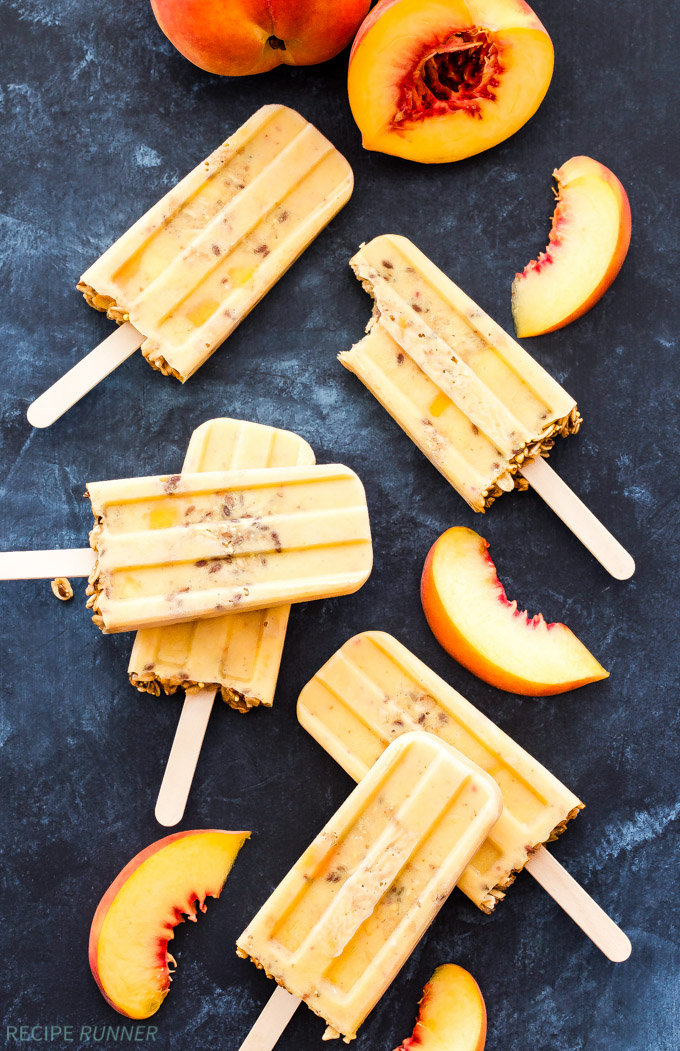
477, 404
341, 924
238, 654
181, 279
374, 689
183, 547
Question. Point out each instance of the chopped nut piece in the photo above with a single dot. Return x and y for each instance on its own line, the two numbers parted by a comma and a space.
61, 588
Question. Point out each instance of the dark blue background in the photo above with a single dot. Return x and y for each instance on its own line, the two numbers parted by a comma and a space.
100, 116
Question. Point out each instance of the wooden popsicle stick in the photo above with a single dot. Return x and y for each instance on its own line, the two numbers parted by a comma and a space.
186, 748
79, 380
35, 565
585, 912
582, 522
273, 1019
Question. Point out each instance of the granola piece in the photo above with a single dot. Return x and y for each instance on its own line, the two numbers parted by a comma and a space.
61, 588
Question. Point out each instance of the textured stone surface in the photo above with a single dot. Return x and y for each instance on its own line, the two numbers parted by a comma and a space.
99, 116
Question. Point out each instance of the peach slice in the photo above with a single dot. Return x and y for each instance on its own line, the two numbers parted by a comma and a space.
471, 617
588, 242
439, 80
134, 920
451, 1015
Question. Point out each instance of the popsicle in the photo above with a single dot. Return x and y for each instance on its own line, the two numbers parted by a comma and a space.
341, 924
482, 410
238, 654
185, 275
373, 689
183, 547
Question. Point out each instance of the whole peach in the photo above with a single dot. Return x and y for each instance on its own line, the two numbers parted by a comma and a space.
238, 37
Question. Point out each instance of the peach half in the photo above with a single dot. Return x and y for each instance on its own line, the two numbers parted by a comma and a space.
588, 243
440, 80
451, 1015
134, 920
467, 609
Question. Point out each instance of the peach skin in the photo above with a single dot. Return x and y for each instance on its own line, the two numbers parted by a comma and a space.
588, 243
135, 919
467, 609
236, 38
440, 80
